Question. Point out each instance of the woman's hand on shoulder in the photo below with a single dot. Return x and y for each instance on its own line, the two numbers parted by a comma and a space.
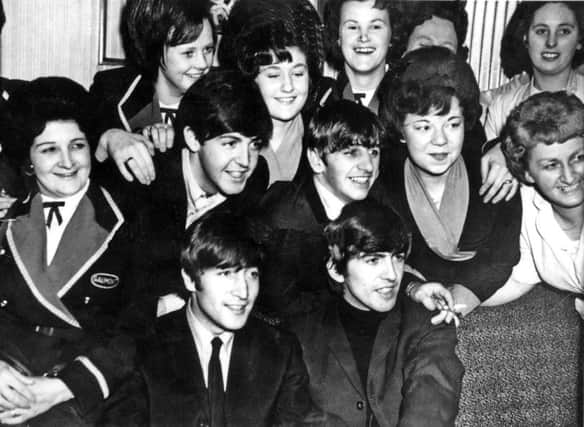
435, 296
131, 152
161, 135
498, 183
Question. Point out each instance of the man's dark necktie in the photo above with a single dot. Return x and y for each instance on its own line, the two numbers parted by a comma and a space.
54, 212
215, 382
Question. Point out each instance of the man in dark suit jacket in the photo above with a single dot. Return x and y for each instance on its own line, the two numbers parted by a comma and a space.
214, 165
343, 149
208, 364
373, 356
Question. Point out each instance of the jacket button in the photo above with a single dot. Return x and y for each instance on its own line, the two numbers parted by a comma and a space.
360, 405
3, 303
2, 251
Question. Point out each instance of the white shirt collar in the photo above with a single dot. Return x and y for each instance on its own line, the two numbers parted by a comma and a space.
332, 204
202, 337
547, 224
55, 232
197, 200
571, 86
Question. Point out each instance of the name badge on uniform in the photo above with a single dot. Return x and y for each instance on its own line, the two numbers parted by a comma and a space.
105, 280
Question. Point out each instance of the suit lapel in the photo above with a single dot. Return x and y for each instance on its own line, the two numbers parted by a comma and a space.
314, 201
340, 348
100, 218
242, 369
186, 395
30, 256
384, 350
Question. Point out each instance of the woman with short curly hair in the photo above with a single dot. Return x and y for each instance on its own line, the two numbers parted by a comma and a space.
543, 142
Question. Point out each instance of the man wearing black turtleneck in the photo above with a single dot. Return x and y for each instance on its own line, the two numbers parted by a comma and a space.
373, 356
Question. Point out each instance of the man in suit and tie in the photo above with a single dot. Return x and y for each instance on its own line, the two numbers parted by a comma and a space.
210, 363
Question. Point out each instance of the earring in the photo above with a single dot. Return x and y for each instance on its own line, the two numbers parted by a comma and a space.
29, 170
402, 140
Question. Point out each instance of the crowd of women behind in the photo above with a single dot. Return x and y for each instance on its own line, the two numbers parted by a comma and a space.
272, 217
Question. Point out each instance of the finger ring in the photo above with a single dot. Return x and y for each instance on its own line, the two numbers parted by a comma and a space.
128, 161
507, 182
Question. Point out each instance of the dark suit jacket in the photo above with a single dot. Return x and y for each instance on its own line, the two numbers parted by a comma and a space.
93, 307
295, 275
490, 229
267, 383
158, 212
414, 374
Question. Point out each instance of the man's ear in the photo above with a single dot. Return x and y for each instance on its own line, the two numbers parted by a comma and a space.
189, 283
528, 177
315, 161
191, 139
334, 274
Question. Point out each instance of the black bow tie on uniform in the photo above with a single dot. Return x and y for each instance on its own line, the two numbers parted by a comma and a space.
54, 212
359, 97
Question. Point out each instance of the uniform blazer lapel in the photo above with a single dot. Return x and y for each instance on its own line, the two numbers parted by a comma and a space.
93, 225
337, 341
137, 108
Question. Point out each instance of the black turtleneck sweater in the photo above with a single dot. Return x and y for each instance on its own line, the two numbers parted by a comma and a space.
361, 329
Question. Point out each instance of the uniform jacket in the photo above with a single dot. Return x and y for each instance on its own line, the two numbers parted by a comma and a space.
93, 271
414, 374
490, 229
267, 383
123, 98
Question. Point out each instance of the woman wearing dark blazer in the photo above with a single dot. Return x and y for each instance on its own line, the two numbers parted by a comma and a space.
169, 45
65, 264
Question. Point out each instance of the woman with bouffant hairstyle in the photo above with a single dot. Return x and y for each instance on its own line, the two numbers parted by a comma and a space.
279, 44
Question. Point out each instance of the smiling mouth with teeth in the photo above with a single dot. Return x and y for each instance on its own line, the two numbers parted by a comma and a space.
360, 179
549, 55
569, 188
385, 291
66, 175
364, 50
